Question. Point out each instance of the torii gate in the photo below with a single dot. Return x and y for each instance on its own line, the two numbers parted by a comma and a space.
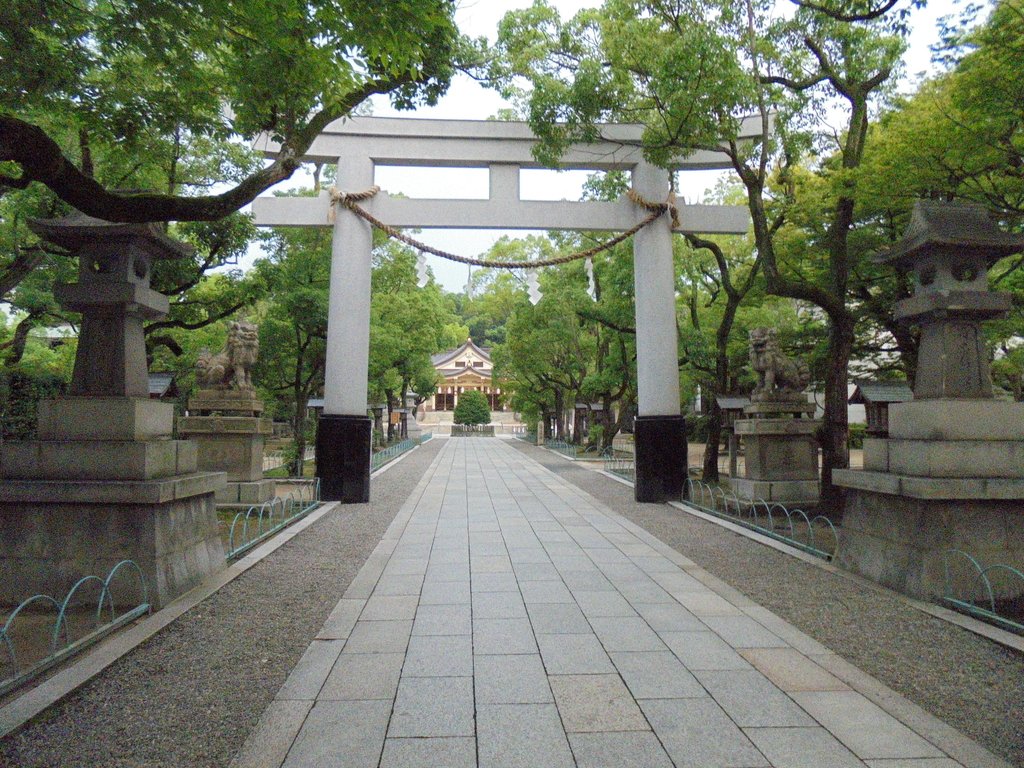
359, 144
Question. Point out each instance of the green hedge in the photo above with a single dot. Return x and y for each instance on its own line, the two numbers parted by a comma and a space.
20, 393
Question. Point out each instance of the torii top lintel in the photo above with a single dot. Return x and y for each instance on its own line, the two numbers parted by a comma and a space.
480, 143
503, 147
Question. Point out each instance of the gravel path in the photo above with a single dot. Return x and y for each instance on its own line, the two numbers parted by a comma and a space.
189, 696
973, 684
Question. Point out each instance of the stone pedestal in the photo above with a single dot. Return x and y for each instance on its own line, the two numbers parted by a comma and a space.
780, 453
950, 476
231, 435
104, 481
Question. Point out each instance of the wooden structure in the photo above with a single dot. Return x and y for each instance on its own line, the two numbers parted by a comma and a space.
876, 396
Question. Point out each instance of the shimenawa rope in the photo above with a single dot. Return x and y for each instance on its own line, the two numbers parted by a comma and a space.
351, 201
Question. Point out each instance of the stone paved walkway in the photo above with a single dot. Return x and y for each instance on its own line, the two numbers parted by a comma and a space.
508, 619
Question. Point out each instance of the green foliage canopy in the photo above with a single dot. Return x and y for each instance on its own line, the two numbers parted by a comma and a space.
121, 71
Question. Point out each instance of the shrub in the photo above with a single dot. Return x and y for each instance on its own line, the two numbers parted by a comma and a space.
473, 408
856, 435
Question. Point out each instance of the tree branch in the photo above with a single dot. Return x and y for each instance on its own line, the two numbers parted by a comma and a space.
870, 15
42, 160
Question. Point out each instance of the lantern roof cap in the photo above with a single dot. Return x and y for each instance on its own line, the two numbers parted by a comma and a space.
77, 230
966, 227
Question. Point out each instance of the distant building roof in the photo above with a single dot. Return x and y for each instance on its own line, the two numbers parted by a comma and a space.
160, 384
881, 392
315, 402
450, 354
730, 403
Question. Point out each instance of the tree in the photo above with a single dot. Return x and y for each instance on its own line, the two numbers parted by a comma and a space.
547, 354
472, 408
30, 268
959, 137
688, 71
293, 324
407, 325
82, 76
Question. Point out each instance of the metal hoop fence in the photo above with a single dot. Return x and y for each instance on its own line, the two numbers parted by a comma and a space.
383, 456
61, 645
620, 464
815, 535
997, 601
261, 521
562, 447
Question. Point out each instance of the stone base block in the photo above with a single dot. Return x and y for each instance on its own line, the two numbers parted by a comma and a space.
49, 543
780, 450
946, 458
343, 446
232, 444
97, 459
902, 542
794, 494
238, 401
947, 488
104, 418
949, 419
660, 453
246, 494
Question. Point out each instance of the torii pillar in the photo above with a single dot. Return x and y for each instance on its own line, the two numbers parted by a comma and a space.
344, 437
660, 430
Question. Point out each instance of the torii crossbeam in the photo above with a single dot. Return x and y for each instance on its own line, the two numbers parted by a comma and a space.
360, 144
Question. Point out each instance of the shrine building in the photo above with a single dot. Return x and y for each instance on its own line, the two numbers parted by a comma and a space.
460, 370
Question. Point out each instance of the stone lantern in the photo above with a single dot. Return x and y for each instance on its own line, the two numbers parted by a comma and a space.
947, 249
950, 475
105, 481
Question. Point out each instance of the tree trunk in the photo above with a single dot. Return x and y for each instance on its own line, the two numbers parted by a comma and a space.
578, 418
609, 427
710, 469
391, 427
835, 453
299, 433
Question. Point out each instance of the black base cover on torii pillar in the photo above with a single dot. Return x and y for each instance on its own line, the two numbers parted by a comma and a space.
343, 446
659, 444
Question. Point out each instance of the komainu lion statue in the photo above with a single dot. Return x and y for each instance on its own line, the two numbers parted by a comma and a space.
778, 377
229, 369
